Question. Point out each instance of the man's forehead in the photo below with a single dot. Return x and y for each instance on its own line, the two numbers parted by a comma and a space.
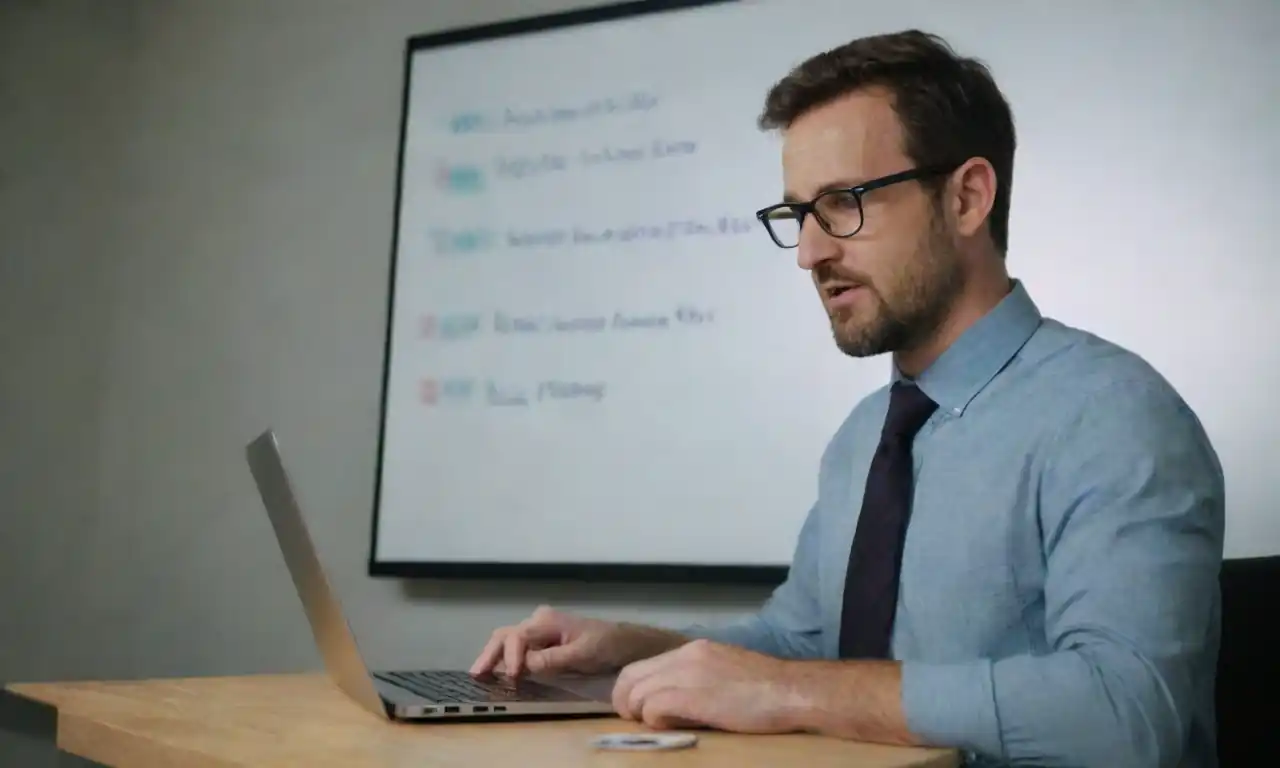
862, 117
844, 142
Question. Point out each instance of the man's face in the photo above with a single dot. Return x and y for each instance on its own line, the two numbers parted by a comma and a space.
889, 286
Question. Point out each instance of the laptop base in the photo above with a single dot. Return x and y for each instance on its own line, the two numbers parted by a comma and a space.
444, 694
453, 695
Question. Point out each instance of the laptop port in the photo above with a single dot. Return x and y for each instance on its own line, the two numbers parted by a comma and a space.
499, 709
451, 710
480, 709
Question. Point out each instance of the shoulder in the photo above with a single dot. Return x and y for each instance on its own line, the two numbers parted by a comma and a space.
1087, 361
1115, 433
1093, 391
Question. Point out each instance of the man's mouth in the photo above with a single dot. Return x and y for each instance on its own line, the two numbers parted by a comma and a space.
839, 294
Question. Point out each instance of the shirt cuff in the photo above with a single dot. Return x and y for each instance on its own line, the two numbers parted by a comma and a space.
953, 705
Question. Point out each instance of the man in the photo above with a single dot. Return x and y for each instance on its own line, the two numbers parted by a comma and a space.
1053, 600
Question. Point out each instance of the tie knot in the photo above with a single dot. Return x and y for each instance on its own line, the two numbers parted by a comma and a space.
909, 409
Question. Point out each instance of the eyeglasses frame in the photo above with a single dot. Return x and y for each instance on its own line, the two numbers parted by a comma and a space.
803, 209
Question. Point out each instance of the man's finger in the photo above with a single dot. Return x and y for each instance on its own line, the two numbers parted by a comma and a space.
631, 675
530, 634
657, 683
491, 653
553, 658
622, 688
666, 707
513, 653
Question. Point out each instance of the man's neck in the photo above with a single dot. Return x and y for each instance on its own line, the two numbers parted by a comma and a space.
979, 298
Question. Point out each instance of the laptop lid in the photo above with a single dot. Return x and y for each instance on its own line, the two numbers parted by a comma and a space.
330, 628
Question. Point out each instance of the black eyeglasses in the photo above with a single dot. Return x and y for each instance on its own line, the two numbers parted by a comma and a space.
837, 211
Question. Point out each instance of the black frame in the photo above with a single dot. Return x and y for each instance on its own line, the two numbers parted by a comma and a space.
810, 208
594, 572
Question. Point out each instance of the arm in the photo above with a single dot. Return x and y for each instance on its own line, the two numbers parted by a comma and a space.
1132, 513
789, 624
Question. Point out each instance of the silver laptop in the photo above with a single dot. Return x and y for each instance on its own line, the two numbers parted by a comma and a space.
408, 695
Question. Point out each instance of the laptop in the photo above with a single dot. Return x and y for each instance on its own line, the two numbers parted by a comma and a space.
401, 695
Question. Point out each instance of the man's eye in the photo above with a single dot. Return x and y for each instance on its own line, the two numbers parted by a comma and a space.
842, 200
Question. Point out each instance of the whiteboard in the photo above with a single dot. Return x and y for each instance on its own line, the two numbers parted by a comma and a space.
597, 362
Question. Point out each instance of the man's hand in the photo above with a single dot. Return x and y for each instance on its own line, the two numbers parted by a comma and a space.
552, 641
708, 684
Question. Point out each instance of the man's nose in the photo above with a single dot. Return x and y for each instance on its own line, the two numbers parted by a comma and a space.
816, 246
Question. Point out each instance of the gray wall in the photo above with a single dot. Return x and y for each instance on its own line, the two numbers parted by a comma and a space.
195, 219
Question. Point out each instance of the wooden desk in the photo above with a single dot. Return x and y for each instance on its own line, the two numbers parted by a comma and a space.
304, 720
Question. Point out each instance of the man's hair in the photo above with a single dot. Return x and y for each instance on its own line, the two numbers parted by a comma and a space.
950, 107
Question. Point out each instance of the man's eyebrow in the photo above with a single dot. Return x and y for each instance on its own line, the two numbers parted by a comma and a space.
792, 197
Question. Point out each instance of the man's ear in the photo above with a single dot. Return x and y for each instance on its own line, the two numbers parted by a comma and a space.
971, 195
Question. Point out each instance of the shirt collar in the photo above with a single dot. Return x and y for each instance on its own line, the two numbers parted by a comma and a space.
974, 359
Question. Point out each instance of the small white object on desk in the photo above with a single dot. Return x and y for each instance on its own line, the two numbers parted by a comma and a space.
642, 742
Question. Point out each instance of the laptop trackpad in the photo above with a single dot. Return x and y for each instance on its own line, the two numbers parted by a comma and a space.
594, 687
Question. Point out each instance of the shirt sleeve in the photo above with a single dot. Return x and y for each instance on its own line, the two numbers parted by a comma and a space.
789, 625
1132, 518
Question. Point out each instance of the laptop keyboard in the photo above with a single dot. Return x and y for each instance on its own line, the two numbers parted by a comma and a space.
449, 686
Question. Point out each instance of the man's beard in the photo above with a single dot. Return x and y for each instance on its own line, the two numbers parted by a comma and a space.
925, 292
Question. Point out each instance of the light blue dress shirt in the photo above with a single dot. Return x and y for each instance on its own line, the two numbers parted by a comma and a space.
1059, 591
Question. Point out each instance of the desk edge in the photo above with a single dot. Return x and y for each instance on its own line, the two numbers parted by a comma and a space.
107, 744
27, 715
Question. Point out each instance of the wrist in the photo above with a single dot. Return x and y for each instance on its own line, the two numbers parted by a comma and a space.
794, 696
859, 700
643, 642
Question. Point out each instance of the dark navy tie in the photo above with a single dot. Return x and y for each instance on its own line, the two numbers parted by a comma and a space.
875, 559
